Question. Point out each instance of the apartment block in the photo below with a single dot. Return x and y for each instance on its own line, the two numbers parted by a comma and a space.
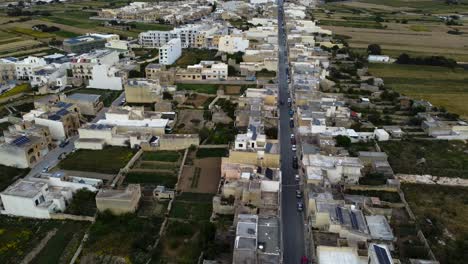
170, 52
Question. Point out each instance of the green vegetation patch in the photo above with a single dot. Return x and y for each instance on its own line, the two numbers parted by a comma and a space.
33, 33
154, 178
212, 152
63, 245
126, 236
109, 160
7, 174
194, 56
22, 88
151, 26
434, 157
206, 88
192, 206
83, 203
65, 34
183, 242
352, 23
443, 87
18, 236
163, 155
441, 212
419, 28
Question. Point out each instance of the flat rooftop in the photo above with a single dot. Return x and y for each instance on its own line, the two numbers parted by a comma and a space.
84, 97
269, 235
337, 255
26, 189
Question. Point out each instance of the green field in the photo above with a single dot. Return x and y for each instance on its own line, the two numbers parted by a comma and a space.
18, 236
63, 245
441, 212
199, 88
22, 88
7, 174
441, 86
443, 158
127, 236
423, 6
194, 56
109, 160
212, 152
153, 178
33, 33
163, 155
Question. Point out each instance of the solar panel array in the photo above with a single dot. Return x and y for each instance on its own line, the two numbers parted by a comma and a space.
21, 141
382, 255
62, 112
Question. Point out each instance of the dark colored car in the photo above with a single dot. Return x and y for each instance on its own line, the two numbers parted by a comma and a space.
291, 123
295, 163
293, 141
291, 112
64, 143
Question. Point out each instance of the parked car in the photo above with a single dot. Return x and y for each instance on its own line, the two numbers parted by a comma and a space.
300, 207
298, 194
297, 178
293, 141
64, 143
62, 156
45, 169
291, 123
291, 112
295, 164
293, 148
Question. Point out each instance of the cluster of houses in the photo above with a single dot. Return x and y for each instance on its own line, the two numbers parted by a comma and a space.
165, 12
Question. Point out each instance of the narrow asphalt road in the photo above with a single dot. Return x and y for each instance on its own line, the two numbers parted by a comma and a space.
292, 220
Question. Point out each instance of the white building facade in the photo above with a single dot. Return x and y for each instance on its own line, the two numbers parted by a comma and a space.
170, 52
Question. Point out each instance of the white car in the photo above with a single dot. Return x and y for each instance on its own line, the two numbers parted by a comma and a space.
294, 148
292, 136
297, 178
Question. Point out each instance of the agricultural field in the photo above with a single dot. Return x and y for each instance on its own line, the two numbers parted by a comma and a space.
22, 88
188, 231
8, 174
385, 23
109, 160
194, 56
19, 236
442, 158
108, 232
441, 212
205, 88
443, 87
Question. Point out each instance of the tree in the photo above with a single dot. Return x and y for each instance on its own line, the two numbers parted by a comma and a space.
374, 49
343, 141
